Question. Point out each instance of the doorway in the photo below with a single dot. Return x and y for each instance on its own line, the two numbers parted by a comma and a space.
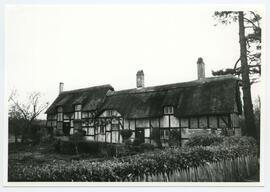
139, 135
66, 128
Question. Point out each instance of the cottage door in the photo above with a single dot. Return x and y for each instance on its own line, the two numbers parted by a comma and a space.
66, 128
139, 135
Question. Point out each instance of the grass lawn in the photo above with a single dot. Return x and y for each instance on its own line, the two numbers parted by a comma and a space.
38, 154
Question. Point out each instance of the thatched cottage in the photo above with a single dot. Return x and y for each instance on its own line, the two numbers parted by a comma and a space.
166, 112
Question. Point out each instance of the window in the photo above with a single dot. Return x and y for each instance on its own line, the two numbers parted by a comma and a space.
102, 129
164, 134
84, 115
60, 114
115, 127
146, 132
168, 110
109, 113
114, 121
78, 113
91, 131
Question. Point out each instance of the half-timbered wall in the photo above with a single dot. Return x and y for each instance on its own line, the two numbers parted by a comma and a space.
107, 127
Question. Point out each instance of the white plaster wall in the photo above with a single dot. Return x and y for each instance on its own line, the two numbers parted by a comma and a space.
100, 138
126, 124
108, 137
142, 123
132, 124
193, 123
155, 122
115, 136
89, 138
203, 122
213, 122
184, 122
164, 121
174, 121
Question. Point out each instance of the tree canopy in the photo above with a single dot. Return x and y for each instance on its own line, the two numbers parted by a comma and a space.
248, 66
253, 41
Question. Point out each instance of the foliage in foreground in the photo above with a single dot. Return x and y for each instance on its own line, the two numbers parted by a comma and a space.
213, 140
231, 170
131, 167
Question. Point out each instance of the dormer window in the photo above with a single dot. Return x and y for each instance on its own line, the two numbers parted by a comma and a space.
59, 113
78, 111
109, 113
168, 110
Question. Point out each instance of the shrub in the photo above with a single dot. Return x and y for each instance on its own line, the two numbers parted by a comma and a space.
57, 146
131, 167
57, 132
204, 140
69, 147
126, 133
136, 142
146, 147
239, 140
155, 136
116, 150
174, 139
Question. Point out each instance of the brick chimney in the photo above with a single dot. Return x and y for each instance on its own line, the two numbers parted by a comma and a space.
140, 79
200, 68
61, 87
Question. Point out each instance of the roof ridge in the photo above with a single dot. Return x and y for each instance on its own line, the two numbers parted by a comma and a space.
87, 88
178, 85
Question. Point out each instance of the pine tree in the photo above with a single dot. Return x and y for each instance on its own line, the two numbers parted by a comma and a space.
250, 58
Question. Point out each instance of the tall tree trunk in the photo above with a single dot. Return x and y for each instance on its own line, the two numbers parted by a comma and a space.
25, 134
16, 137
248, 108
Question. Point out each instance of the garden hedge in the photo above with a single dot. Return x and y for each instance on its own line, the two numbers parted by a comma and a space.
131, 167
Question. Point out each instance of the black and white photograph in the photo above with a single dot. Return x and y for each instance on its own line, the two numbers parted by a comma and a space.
135, 94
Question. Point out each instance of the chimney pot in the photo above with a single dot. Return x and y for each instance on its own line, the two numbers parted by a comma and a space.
200, 68
61, 87
140, 79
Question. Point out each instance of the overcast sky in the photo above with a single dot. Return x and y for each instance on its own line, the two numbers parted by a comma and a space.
86, 46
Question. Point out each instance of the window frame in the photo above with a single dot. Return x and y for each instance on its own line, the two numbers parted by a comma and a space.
60, 116
78, 111
168, 110
164, 134
102, 129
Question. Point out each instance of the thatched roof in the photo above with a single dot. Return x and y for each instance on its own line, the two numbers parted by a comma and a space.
215, 95
90, 98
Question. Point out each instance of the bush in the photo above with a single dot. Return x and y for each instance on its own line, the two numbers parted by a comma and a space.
116, 150
146, 147
174, 139
131, 167
155, 136
126, 133
239, 140
57, 146
69, 147
204, 140
136, 142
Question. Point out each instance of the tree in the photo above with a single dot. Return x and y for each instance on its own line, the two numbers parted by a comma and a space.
27, 111
252, 31
250, 58
16, 123
257, 114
